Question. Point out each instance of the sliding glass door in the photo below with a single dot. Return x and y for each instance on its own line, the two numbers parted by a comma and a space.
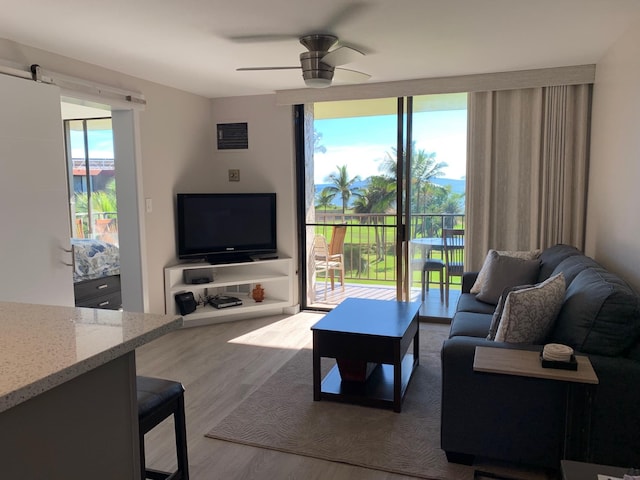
437, 183
367, 169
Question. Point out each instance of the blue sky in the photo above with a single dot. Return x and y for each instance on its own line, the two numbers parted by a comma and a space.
361, 142
100, 143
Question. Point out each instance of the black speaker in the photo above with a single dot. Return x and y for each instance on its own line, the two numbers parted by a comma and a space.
186, 302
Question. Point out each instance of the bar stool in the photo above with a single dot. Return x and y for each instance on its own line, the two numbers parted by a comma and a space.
157, 400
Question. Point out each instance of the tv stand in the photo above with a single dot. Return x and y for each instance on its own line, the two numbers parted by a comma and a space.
235, 279
227, 258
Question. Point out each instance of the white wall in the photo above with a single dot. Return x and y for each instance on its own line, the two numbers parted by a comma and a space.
177, 136
268, 165
175, 144
613, 216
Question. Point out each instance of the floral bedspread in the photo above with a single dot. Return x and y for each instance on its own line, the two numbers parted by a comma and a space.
94, 259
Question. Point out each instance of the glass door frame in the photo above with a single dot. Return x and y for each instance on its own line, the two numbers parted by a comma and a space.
403, 113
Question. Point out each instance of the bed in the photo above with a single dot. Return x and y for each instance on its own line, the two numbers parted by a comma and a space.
96, 274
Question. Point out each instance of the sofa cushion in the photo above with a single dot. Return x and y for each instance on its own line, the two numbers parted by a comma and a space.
467, 324
468, 303
529, 313
572, 266
503, 272
482, 274
600, 314
551, 257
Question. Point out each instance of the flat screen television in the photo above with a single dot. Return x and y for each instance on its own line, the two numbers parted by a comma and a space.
226, 227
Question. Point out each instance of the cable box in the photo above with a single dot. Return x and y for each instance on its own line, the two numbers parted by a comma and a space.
195, 276
224, 301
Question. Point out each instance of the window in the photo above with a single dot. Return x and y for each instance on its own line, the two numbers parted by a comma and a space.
91, 166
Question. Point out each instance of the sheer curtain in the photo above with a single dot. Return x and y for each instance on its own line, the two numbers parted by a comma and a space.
528, 153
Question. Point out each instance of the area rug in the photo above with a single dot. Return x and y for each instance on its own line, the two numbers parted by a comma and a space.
281, 415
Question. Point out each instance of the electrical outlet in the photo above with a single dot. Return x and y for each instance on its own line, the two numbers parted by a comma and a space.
234, 175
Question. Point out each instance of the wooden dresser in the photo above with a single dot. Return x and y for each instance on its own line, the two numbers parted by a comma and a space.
99, 293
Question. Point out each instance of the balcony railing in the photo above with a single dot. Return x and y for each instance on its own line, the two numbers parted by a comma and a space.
102, 226
369, 247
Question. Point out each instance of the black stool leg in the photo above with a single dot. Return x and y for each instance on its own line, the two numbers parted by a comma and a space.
181, 439
142, 458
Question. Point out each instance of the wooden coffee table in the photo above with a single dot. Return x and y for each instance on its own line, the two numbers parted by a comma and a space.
375, 331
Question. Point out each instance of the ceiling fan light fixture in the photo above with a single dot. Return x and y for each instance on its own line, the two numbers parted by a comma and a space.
317, 82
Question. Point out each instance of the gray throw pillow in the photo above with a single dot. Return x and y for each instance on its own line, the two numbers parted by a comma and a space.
504, 272
529, 313
482, 274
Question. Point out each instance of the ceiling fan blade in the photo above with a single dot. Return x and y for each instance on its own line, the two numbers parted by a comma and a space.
247, 69
344, 75
345, 15
267, 37
342, 56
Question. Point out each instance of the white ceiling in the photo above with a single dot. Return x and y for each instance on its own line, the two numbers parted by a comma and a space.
188, 44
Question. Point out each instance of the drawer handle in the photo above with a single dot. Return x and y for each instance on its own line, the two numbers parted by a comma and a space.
103, 304
100, 287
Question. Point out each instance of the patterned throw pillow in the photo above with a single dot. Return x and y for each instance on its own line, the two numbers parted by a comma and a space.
482, 274
528, 314
497, 314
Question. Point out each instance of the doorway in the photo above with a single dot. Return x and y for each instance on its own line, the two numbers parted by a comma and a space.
390, 170
103, 195
93, 206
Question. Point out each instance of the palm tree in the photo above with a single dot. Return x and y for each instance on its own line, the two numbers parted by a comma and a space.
342, 185
324, 199
101, 200
378, 197
423, 168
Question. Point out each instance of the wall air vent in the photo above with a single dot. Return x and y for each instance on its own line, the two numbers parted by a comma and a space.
233, 136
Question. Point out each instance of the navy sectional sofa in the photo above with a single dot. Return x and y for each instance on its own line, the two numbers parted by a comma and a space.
521, 419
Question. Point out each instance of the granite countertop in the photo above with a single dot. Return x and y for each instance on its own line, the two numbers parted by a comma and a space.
44, 346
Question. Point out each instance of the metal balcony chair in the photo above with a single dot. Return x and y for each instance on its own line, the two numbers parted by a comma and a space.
432, 265
453, 245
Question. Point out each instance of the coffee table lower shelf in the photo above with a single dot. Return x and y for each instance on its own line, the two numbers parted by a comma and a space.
376, 391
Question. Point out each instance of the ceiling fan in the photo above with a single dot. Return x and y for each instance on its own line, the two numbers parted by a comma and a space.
319, 62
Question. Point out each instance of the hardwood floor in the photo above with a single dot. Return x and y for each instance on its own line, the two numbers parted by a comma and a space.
220, 365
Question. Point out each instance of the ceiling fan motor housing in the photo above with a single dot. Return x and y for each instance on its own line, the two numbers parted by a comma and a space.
314, 69
314, 72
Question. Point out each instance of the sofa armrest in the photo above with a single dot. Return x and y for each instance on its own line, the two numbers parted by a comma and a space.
468, 279
484, 414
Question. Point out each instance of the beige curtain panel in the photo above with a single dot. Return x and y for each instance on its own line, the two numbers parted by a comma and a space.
527, 169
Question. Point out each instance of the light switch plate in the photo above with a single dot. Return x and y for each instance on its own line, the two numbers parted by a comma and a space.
234, 175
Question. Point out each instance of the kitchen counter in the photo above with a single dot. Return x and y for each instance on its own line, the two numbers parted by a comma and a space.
67, 389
